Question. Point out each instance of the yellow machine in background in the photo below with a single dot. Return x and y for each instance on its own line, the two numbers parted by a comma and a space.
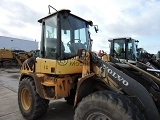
13, 58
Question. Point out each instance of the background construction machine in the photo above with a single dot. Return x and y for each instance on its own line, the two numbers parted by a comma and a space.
13, 58
67, 68
148, 58
126, 49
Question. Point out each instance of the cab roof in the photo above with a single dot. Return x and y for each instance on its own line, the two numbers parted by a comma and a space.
120, 38
65, 10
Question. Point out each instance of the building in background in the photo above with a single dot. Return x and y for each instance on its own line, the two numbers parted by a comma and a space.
17, 44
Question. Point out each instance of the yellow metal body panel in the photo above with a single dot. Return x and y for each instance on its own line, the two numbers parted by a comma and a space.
106, 57
52, 77
50, 66
70, 67
44, 65
61, 86
5, 54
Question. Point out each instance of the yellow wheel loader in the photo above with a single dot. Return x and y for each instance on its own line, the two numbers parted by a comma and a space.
67, 68
55, 74
12, 58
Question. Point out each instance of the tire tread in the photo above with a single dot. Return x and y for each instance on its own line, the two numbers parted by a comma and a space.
122, 104
41, 105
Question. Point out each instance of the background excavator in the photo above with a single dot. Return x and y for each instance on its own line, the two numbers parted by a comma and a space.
99, 88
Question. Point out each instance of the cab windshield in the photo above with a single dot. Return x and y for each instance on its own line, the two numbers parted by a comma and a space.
74, 35
125, 49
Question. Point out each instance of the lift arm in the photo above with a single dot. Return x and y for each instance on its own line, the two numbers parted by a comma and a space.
130, 86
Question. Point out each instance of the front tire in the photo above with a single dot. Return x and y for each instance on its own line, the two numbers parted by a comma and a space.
105, 105
31, 105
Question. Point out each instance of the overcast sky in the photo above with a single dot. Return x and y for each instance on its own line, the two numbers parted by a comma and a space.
139, 19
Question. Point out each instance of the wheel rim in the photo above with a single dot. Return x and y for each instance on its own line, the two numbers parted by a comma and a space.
25, 99
98, 116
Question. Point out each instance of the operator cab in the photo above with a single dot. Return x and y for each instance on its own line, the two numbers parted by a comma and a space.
124, 49
63, 34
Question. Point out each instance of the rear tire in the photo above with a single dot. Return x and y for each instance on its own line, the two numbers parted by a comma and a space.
105, 105
31, 105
